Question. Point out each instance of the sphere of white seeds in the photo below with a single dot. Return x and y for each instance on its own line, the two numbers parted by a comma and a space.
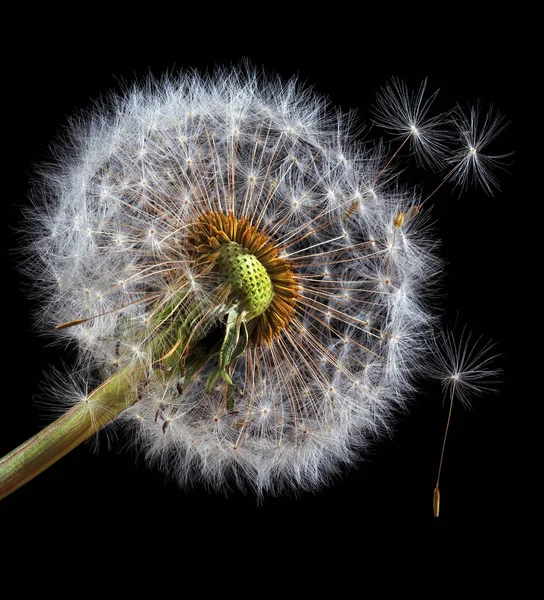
112, 224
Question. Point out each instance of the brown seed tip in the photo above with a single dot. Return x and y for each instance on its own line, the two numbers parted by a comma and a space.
399, 219
70, 323
351, 209
436, 501
414, 211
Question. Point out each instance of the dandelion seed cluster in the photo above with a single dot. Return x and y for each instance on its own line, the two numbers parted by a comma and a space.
227, 236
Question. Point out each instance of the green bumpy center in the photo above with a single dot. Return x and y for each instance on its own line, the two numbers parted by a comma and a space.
248, 278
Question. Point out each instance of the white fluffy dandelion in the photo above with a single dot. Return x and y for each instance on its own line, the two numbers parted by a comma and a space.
243, 280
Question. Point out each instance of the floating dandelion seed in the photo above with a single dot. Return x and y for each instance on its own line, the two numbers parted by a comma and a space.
471, 161
246, 283
406, 115
463, 363
465, 369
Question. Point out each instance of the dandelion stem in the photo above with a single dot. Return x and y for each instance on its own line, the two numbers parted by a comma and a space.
443, 182
68, 431
392, 157
436, 494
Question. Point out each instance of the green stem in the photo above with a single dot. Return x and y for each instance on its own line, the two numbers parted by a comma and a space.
175, 346
68, 431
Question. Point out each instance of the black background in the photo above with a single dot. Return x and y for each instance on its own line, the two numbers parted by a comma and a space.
55, 69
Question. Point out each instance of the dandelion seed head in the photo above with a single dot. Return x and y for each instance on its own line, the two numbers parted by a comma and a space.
229, 236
